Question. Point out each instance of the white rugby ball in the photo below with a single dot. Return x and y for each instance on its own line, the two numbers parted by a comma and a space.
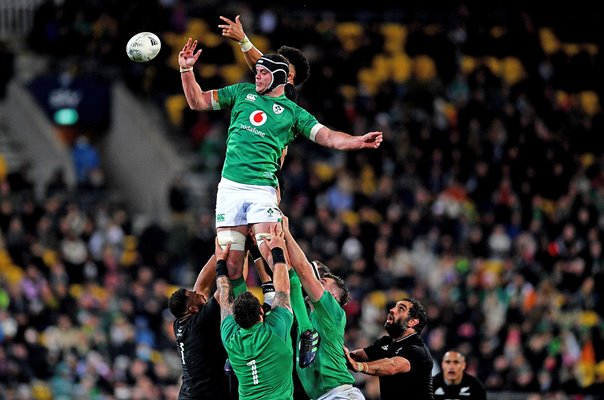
143, 47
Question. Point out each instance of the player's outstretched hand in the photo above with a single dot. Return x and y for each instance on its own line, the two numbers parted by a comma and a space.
187, 56
372, 140
232, 29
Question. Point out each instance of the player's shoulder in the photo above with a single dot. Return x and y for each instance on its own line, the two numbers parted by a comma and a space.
470, 378
238, 88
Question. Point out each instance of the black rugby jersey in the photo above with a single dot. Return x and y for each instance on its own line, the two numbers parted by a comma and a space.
413, 385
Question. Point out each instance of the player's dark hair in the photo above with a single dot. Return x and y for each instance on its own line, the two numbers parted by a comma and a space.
291, 92
178, 302
418, 311
246, 310
344, 297
299, 61
319, 269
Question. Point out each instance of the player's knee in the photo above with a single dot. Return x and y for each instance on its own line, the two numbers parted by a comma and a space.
237, 239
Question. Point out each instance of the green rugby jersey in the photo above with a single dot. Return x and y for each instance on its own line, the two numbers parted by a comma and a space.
262, 355
260, 128
329, 369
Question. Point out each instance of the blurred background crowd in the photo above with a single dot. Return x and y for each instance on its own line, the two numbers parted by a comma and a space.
485, 200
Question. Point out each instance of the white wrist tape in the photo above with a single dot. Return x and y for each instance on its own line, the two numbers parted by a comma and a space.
245, 44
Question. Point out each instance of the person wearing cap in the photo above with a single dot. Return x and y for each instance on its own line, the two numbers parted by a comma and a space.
263, 122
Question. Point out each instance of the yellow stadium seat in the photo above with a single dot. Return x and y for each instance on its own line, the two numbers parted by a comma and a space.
261, 42
175, 106
212, 40
394, 31
196, 28
349, 92
563, 100
346, 30
75, 290
368, 80
233, 73
368, 180
468, 64
3, 168
12, 274
208, 71
402, 67
349, 218
494, 64
589, 102
350, 35
381, 67
324, 171
588, 318
41, 391
50, 257
512, 70
549, 41
378, 299
4, 258
570, 49
424, 68
395, 37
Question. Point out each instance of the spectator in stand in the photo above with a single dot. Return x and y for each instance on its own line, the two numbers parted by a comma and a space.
453, 382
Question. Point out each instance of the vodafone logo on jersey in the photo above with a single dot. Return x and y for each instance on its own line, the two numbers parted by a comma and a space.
258, 118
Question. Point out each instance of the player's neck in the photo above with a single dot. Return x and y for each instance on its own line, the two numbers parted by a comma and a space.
405, 335
276, 92
453, 382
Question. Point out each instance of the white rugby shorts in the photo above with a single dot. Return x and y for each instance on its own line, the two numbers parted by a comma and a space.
239, 204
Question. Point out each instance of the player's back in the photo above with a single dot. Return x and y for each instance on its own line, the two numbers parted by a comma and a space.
261, 356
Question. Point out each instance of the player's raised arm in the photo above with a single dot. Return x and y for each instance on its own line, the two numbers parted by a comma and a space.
196, 97
224, 290
234, 31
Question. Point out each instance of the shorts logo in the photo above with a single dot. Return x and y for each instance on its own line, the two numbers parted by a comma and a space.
277, 109
270, 212
219, 217
250, 97
258, 118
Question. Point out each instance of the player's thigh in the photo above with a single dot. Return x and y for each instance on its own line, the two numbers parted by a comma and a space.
230, 208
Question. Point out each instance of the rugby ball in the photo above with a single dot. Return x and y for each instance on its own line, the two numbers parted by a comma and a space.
143, 47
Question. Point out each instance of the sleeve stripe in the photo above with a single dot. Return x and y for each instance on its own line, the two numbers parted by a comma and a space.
215, 104
314, 130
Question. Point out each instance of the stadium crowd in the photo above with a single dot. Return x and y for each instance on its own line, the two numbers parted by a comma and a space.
485, 200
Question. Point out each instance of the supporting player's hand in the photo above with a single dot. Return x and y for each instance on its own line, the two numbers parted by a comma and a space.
187, 56
285, 223
352, 364
276, 238
232, 30
372, 140
221, 253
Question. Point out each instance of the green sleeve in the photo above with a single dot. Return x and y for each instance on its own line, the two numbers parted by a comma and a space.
297, 301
